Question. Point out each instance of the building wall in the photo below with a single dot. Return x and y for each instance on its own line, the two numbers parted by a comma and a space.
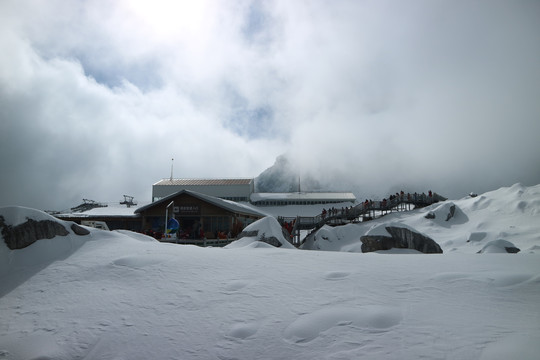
306, 198
228, 192
193, 212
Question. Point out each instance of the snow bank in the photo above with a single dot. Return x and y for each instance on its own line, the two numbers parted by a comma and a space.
262, 233
16, 215
326, 239
16, 266
499, 246
379, 229
136, 236
41, 252
447, 214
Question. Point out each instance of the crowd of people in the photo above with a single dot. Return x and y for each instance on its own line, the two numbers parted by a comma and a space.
331, 212
384, 204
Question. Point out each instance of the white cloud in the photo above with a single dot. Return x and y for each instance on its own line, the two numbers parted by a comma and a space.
97, 96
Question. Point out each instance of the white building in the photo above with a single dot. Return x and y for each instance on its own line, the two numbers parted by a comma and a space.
301, 198
228, 189
243, 190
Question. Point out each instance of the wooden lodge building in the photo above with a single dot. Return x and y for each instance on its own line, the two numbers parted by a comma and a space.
195, 211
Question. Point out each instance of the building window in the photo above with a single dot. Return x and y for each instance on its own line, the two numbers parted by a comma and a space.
214, 224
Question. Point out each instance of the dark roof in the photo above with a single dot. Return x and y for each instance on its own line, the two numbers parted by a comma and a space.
224, 204
191, 182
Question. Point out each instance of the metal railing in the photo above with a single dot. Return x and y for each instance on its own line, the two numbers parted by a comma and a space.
364, 211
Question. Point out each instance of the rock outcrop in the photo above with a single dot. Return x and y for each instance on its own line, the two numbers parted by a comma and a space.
451, 212
400, 238
449, 215
271, 240
266, 230
79, 230
27, 233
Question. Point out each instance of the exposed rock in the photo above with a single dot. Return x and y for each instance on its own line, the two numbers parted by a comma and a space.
401, 238
499, 246
451, 212
376, 242
272, 240
449, 215
266, 230
79, 230
413, 240
23, 235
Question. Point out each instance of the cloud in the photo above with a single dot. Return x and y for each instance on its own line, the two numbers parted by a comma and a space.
437, 104
96, 97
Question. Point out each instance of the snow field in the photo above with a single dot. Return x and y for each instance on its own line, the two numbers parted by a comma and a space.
121, 295
121, 298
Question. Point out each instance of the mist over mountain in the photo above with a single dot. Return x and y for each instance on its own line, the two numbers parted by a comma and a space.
284, 176
291, 174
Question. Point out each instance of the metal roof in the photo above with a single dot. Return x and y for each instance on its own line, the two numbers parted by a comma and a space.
111, 210
195, 182
321, 196
224, 204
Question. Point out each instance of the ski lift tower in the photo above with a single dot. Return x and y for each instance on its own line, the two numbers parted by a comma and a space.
128, 201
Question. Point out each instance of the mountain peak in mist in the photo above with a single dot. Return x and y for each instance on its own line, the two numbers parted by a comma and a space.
283, 176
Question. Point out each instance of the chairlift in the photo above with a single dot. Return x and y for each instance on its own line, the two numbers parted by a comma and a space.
87, 205
128, 201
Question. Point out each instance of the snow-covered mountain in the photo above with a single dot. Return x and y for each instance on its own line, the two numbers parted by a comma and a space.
123, 295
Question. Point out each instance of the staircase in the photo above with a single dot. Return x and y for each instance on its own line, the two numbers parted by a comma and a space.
365, 211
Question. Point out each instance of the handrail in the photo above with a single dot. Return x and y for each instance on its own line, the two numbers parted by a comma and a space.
350, 214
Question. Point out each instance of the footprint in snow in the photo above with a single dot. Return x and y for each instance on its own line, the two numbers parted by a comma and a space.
336, 275
372, 318
243, 330
137, 262
499, 279
236, 285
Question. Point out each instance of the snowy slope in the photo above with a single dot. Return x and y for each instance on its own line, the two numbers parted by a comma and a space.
509, 214
121, 295
23, 263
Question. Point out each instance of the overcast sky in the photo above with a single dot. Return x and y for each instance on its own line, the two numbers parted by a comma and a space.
96, 97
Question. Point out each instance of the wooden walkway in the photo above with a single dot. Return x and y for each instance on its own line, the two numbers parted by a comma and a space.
365, 211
